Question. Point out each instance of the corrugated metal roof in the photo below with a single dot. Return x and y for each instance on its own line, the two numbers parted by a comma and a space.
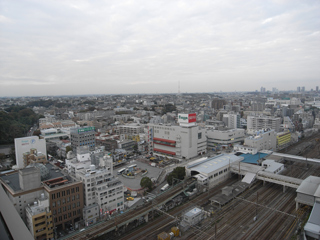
208, 165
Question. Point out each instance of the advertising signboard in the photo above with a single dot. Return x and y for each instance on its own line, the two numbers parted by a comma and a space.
187, 118
85, 129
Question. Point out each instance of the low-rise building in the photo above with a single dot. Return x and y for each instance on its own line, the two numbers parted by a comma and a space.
214, 169
262, 140
283, 139
224, 137
39, 219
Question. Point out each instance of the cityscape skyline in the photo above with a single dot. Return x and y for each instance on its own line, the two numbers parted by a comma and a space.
123, 47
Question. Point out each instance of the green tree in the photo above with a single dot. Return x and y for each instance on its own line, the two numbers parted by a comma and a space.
68, 149
36, 133
177, 173
12, 155
146, 183
135, 147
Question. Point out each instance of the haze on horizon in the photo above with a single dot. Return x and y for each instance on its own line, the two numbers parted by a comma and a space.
121, 47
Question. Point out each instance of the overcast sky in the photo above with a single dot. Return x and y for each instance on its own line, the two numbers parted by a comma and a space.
111, 47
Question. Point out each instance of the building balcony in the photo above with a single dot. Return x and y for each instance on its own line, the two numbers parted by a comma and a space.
43, 219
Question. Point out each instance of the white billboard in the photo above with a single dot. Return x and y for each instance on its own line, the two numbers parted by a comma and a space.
183, 118
23, 145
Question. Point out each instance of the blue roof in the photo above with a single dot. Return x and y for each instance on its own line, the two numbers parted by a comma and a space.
253, 159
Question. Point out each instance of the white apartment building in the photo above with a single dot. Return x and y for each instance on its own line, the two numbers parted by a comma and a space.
215, 137
103, 193
263, 122
231, 120
185, 141
262, 140
130, 129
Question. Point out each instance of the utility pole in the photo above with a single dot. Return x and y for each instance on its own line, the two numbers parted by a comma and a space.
257, 204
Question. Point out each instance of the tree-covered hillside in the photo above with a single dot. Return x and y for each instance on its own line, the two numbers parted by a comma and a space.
15, 122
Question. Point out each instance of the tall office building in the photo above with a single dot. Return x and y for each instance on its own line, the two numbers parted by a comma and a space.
317, 88
298, 89
82, 137
303, 89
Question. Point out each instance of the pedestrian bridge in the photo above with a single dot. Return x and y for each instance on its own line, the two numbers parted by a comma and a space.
252, 172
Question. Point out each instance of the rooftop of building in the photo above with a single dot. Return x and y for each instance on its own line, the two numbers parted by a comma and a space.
12, 179
38, 206
313, 224
210, 164
253, 158
193, 212
58, 182
310, 186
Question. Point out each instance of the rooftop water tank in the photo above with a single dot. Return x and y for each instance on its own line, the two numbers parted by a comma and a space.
92, 167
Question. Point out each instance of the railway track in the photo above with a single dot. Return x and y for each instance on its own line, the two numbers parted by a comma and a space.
157, 226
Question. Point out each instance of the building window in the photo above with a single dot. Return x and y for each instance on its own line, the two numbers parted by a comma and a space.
68, 199
63, 193
72, 190
53, 196
77, 189
53, 204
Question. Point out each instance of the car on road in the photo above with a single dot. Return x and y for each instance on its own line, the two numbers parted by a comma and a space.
130, 198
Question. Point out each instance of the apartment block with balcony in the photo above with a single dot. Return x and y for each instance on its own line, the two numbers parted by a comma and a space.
263, 122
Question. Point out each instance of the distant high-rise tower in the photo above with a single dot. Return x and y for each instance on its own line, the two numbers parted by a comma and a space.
317, 88
298, 89
262, 89
303, 89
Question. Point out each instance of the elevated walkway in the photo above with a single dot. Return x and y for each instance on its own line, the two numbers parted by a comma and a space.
279, 179
254, 171
296, 158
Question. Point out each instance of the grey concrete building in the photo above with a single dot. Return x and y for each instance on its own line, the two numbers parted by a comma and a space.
82, 137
